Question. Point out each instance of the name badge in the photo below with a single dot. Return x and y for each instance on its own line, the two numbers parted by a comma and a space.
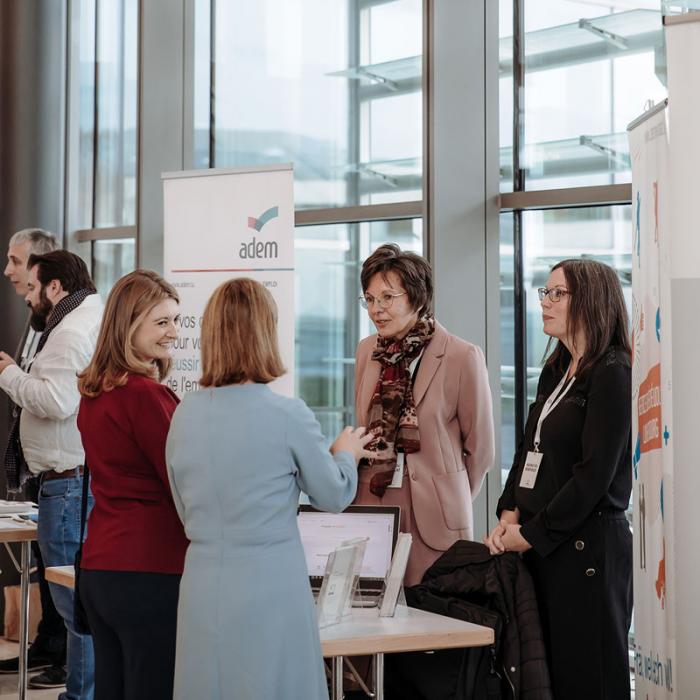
397, 479
530, 470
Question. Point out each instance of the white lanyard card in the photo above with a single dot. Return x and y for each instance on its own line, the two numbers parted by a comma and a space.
533, 460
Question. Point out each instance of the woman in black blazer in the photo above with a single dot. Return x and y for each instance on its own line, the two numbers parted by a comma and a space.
565, 498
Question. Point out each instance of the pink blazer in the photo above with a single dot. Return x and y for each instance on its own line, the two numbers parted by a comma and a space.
455, 420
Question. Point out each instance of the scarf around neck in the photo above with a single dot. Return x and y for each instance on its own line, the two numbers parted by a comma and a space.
392, 411
16, 469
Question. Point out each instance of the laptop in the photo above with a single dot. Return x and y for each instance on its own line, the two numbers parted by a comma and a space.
322, 532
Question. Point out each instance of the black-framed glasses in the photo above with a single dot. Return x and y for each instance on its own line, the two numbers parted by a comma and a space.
555, 293
384, 300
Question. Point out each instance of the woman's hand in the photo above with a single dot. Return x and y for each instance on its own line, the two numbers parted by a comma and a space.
494, 540
513, 541
353, 440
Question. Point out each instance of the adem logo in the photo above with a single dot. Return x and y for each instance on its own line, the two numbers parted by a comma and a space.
256, 248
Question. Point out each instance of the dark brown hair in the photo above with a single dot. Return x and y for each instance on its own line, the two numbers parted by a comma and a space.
67, 268
239, 335
414, 271
597, 308
130, 301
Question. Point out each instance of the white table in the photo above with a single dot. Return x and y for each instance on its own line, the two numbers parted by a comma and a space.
409, 630
367, 633
23, 532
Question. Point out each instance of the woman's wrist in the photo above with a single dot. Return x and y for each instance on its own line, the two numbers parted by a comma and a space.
509, 517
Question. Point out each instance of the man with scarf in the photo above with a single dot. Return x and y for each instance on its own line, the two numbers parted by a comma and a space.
44, 438
48, 651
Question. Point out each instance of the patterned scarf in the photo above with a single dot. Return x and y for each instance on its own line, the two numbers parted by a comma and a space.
392, 412
15, 464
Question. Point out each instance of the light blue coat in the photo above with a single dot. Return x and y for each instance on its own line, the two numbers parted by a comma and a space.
238, 456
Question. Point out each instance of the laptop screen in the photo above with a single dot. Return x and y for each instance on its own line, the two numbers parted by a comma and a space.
321, 533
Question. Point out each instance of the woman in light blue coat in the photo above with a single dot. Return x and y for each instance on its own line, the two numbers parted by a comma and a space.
238, 456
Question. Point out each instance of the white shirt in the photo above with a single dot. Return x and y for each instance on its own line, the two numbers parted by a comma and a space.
48, 391
28, 349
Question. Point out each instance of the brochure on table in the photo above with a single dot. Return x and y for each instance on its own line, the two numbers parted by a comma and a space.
393, 584
340, 585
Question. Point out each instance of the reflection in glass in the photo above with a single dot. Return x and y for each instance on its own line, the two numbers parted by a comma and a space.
589, 71
332, 87
329, 319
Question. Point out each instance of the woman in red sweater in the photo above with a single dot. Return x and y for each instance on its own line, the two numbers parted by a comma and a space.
134, 553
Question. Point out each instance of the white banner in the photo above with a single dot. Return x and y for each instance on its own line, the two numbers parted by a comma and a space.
665, 150
220, 224
651, 395
683, 571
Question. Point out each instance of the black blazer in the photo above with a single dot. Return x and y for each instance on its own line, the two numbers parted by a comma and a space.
586, 445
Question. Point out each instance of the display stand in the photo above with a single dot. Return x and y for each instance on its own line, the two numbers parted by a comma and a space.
340, 585
393, 583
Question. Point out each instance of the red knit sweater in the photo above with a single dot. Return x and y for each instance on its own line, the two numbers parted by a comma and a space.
133, 525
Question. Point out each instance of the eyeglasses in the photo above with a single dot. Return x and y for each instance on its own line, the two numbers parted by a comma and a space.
555, 293
384, 300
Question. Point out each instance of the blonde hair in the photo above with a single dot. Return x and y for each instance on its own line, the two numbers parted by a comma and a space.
132, 298
239, 335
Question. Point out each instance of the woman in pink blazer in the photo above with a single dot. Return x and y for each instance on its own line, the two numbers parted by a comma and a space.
425, 394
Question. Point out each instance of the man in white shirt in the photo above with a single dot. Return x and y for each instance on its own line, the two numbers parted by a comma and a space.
67, 311
48, 652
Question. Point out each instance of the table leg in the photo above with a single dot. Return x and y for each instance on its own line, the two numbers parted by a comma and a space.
337, 678
24, 619
378, 676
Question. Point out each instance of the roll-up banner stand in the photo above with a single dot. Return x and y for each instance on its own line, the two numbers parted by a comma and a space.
652, 458
665, 152
220, 224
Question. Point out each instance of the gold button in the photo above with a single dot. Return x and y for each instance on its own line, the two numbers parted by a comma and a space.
579, 545
590, 572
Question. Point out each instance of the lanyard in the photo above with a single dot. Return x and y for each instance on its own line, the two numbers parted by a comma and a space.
551, 403
414, 366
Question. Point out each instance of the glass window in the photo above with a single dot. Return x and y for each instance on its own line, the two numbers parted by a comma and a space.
86, 113
331, 86
590, 68
508, 397
601, 233
117, 89
505, 92
330, 321
107, 115
110, 260
202, 83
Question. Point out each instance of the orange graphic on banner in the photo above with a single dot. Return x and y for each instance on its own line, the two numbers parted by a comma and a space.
649, 410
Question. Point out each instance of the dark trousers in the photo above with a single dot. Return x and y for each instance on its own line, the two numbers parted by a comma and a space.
133, 620
584, 594
51, 633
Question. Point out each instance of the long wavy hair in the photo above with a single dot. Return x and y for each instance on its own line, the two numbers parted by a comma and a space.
132, 298
596, 307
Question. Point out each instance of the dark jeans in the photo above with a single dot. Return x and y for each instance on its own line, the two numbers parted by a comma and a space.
133, 619
51, 634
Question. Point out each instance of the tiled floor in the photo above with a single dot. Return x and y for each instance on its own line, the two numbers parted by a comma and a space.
8, 683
